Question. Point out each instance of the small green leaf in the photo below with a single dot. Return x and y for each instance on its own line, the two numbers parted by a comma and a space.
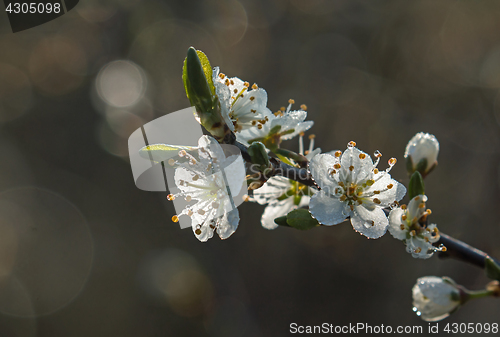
409, 166
200, 90
207, 69
259, 156
275, 129
296, 199
416, 185
492, 269
281, 221
287, 132
422, 166
301, 219
196, 82
285, 159
162, 152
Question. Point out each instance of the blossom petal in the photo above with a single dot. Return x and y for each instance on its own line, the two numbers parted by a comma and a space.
395, 223
387, 195
433, 297
246, 136
372, 223
210, 149
227, 224
275, 210
272, 189
319, 167
234, 169
419, 248
203, 183
298, 128
224, 94
251, 106
414, 211
204, 231
356, 165
328, 210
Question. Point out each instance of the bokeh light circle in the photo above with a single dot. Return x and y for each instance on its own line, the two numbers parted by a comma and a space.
121, 83
47, 249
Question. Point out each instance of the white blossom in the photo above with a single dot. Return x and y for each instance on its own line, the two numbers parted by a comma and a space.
352, 186
208, 181
422, 146
282, 195
434, 298
284, 124
404, 225
242, 106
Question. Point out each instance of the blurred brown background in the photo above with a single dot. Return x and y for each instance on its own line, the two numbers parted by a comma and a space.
83, 252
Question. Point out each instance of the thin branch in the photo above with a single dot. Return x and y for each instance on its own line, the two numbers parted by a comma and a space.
461, 251
281, 169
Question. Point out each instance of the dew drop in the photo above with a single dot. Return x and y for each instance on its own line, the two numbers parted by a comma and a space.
393, 205
441, 248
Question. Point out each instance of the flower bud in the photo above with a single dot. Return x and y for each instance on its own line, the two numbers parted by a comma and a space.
421, 153
435, 298
200, 90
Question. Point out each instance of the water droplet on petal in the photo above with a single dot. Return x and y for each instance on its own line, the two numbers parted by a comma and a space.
441, 248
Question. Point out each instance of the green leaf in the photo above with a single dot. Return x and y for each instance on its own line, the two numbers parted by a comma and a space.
187, 86
281, 221
422, 166
275, 129
492, 269
196, 82
301, 219
162, 152
207, 69
416, 185
200, 90
409, 166
259, 156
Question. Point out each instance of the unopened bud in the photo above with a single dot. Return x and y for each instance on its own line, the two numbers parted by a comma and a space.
421, 153
434, 298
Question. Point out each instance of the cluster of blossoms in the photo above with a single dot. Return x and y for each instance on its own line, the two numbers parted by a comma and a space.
342, 185
347, 185
244, 110
283, 195
352, 186
207, 178
409, 225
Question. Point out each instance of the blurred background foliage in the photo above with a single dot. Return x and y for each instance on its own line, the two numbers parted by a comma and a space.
85, 253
